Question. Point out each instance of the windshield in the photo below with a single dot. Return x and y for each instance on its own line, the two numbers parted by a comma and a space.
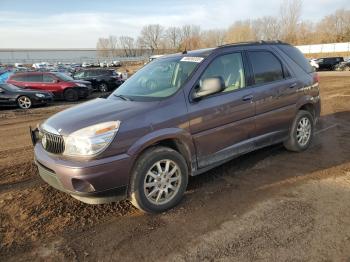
159, 79
64, 77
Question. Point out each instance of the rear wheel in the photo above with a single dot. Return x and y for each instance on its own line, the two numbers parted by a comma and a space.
103, 87
24, 102
159, 180
301, 132
71, 95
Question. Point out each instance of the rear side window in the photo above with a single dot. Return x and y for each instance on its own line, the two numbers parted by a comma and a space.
297, 57
266, 67
34, 78
19, 78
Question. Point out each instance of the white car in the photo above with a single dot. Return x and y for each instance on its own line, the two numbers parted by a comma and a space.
314, 64
86, 65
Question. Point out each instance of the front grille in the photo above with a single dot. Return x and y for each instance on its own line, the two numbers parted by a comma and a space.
52, 143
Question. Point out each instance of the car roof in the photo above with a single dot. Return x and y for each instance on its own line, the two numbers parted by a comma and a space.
207, 51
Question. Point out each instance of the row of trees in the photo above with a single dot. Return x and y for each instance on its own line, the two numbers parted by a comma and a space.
287, 27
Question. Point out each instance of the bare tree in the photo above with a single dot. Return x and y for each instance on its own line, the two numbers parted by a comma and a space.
151, 36
266, 28
190, 37
103, 47
128, 45
306, 33
288, 27
290, 18
240, 31
173, 37
113, 44
213, 38
335, 27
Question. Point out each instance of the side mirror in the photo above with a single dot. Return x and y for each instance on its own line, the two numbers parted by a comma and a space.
2, 90
56, 81
209, 86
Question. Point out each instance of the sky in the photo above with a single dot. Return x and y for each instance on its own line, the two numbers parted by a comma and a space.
79, 23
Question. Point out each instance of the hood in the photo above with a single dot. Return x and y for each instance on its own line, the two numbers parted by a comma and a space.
96, 111
33, 91
81, 82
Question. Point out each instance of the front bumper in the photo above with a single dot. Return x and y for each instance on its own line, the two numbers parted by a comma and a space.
42, 100
84, 92
93, 182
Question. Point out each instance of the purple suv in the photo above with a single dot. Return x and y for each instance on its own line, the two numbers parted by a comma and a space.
179, 116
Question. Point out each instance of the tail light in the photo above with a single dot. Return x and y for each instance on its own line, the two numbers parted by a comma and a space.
316, 77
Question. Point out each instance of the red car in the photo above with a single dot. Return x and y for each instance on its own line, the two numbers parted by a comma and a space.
61, 85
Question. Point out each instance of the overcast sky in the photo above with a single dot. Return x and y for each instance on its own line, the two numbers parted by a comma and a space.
78, 23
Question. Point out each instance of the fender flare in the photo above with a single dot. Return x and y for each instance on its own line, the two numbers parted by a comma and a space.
181, 137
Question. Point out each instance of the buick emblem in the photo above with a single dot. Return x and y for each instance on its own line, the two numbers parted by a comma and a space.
44, 141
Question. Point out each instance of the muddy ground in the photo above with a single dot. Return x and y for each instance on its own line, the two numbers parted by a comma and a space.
271, 204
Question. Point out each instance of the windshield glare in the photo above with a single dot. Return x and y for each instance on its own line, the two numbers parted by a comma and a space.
159, 79
10, 87
64, 77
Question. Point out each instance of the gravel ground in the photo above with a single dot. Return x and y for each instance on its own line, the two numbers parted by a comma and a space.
269, 205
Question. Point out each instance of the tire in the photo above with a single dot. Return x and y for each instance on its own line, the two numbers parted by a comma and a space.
103, 87
71, 95
24, 102
301, 132
164, 193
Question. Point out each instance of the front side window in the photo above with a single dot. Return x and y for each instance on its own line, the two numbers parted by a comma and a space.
48, 79
230, 69
159, 79
266, 67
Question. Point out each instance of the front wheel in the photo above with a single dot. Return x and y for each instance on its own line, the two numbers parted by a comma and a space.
103, 87
159, 180
71, 95
24, 102
301, 132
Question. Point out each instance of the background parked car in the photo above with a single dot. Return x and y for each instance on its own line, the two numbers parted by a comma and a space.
314, 64
61, 85
329, 63
343, 66
23, 98
103, 80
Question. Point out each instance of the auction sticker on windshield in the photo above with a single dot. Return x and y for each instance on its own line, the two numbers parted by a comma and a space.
192, 59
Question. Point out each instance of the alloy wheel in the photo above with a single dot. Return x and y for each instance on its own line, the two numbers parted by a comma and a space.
103, 87
162, 182
303, 131
24, 102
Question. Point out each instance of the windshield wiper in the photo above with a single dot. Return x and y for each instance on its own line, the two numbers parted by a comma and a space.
123, 97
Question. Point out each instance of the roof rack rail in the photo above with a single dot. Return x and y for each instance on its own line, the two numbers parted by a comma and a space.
261, 42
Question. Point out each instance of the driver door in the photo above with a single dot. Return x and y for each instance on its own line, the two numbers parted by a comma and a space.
221, 124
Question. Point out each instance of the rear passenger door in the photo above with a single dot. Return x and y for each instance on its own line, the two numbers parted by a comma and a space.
34, 81
275, 96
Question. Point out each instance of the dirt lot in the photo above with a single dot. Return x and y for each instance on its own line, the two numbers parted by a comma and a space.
271, 205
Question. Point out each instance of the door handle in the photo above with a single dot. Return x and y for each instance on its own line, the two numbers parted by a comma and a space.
293, 85
247, 98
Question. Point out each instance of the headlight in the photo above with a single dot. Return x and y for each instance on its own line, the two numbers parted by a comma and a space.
40, 95
91, 140
79, 84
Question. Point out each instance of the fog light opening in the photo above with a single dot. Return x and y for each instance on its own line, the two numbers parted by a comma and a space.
82, 185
